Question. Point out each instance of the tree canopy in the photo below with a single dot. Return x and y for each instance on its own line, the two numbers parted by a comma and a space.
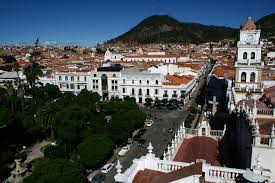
57, 171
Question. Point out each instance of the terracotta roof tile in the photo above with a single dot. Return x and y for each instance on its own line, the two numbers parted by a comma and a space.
249, 25
250, 103
151, 176
265, 125
177, 80
200, 147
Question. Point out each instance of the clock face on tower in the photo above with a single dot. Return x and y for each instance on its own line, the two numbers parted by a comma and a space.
249, 39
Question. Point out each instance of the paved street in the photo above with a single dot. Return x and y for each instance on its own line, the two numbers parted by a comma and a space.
157, 134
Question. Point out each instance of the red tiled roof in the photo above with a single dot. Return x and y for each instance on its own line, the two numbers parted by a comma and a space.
146, 176
200, 147
196, 66
270, 93
151, 176
250, 103
222, 71
249, 25
265, 125
177, 80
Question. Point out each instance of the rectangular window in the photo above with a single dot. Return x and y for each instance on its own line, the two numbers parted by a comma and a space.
72, 86
123, 90
156, 91
78, 87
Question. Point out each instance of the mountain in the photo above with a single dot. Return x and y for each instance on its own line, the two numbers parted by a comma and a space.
267, 25
165, 29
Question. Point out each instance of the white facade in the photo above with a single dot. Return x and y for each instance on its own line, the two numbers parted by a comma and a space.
249, 66
109, 56
151, 58
119, 84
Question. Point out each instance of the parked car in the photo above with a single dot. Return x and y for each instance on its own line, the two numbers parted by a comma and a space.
124, 150
171, 107
107, 168
129, 143
170, 130
98, 178
141, 142
149, 123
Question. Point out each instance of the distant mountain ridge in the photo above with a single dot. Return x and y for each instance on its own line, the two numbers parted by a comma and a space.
165, 29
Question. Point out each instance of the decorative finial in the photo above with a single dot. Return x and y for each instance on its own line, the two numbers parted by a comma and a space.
273, 130
150, 148
118, 167
257, 129
164, 156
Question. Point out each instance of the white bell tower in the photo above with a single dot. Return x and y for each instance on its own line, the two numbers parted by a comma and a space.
249, 66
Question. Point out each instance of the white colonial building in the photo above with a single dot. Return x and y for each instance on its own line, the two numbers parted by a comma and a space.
249, 66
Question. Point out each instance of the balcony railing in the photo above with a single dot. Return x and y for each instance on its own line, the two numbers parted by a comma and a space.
221, 173
165, 96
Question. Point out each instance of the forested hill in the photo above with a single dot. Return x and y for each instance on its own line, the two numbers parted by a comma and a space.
165, 29
267, 25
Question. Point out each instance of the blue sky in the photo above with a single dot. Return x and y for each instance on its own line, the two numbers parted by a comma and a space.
88, 22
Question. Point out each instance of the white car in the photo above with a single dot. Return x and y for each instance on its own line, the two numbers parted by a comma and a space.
124, 150
149, 123
107, 168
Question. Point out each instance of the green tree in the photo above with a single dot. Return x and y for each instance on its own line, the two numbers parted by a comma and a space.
148, 102
45, 117
92, 152
52, 91
55, 152
32, 72
70, 122
57, 171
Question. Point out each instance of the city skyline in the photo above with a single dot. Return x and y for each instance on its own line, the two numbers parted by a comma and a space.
88, 23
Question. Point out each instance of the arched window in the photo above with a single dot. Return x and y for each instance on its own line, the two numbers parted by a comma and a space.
253, 55
243, 77
157, 82
59, 77
147, 82
72, 78
139, 81
114, 75
245, 55
94, 75
252, 77
66, 78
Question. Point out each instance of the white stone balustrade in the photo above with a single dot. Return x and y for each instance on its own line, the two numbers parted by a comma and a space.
221, 174
169, 166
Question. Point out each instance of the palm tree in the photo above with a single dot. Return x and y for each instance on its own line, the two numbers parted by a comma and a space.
32, 72
46, 117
